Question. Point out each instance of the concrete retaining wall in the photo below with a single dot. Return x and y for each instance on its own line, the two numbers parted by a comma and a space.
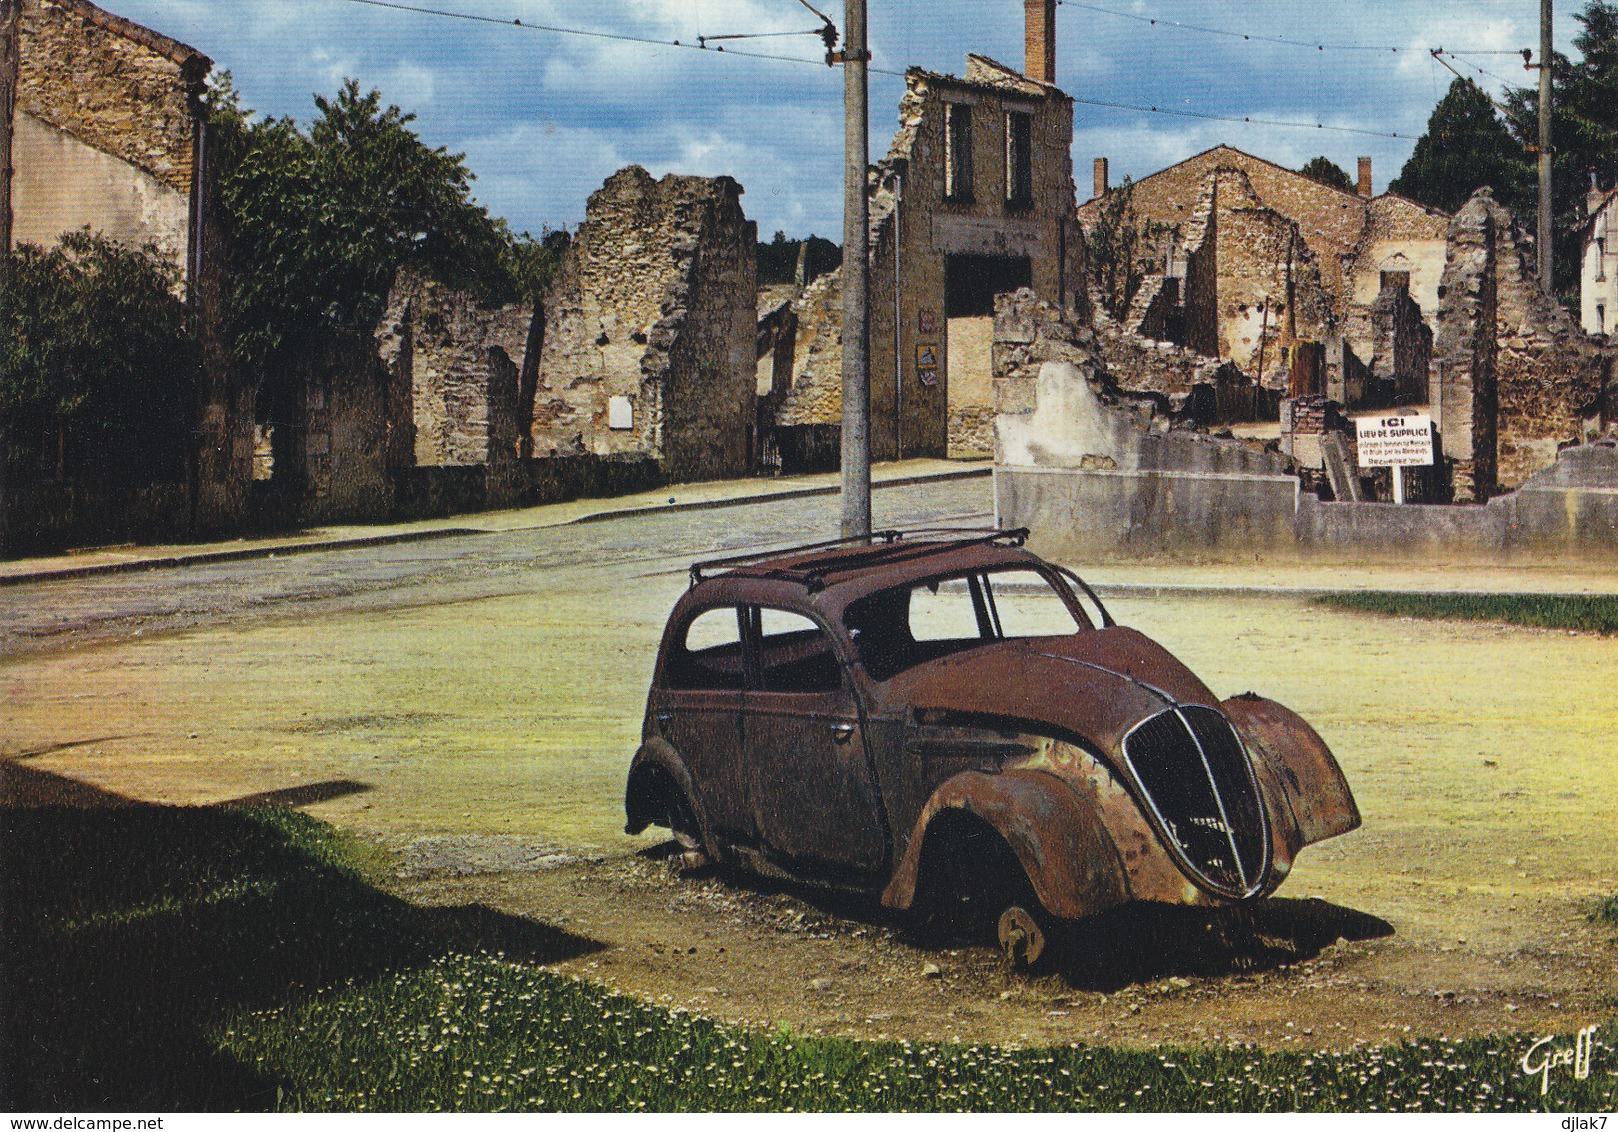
1568, 513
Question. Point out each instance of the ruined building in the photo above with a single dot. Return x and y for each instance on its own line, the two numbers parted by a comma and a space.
974, 199
1514, 377
1307, 287
649, 345
106, 131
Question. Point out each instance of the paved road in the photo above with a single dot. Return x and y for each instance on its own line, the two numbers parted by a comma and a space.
53, 616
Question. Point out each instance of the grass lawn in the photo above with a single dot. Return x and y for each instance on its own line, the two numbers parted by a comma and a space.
1596, 613
182, 958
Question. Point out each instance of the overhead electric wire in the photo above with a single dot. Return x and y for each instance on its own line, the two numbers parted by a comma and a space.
1159, 21
622, 37
395, 5
1242, 119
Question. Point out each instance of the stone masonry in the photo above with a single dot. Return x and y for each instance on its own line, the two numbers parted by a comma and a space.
924, 225
465, 366
107, 130
1514, 377
651, 327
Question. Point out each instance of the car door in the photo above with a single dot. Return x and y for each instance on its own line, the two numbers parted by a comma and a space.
700, 713
813, 797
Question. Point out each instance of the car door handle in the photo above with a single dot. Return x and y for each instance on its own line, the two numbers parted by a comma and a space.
842, 732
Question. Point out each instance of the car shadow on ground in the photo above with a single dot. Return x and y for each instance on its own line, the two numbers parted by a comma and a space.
133, 933
1134, 943
1137, 943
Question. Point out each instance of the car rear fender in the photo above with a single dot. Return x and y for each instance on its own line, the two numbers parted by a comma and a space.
1304, 789
1062, 843
653, 765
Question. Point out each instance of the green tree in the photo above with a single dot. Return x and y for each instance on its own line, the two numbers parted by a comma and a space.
1466, 146
1327, 172
98, 365
1584, 132
321, 221
1118, 248
778, 259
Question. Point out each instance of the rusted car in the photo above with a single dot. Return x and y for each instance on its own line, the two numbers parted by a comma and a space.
937, 719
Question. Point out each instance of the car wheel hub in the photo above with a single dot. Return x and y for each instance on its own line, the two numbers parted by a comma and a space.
1021, 939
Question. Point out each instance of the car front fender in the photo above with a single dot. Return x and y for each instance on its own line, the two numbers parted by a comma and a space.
1304, 788
1062, 843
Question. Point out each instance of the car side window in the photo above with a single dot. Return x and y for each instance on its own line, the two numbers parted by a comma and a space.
710, 655
795, 654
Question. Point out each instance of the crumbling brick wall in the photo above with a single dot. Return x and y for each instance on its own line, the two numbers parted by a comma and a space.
464, 367
1515, 376
655, 303
1551, 375
1402, 344
332, 451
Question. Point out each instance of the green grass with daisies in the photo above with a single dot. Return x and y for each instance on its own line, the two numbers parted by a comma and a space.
163, 958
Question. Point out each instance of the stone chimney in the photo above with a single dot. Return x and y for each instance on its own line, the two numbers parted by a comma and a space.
1039, 39
1365, 177
1101, 178
1594, 199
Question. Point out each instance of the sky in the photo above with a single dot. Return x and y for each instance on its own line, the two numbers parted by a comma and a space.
545, 117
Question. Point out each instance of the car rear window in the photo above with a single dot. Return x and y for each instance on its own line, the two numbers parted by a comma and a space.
907, 625
709, 654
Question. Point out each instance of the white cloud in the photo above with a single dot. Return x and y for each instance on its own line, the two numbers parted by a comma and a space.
544, 118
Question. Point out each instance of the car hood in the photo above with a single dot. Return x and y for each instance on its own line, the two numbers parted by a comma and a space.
1095, 684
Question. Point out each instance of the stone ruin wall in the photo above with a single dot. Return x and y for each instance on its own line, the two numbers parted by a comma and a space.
1550, 375
1028, 332
658, 280
1515, 376
710, 387
1270, 287
815, 395
1332, 221
464, 366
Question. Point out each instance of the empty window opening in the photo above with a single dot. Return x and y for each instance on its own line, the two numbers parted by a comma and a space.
1019, 160
958, 152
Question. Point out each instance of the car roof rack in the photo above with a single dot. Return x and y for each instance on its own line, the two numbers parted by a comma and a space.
881, 547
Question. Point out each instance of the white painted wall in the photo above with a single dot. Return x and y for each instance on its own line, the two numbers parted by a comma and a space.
61, 184
1598, 277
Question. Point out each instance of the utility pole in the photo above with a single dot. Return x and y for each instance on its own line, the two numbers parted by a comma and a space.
1544, 234
10, 53
856, 438
9, 66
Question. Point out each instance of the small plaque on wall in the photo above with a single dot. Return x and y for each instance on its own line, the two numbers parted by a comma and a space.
927, 362
620, 413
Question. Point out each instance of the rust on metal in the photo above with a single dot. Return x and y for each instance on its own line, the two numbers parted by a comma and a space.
835, 735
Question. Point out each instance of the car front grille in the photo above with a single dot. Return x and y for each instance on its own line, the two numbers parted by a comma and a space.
1197, 780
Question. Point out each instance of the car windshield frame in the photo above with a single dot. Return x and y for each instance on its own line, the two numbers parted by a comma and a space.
887, 610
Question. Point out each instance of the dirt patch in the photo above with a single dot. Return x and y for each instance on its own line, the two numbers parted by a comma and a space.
1305, 974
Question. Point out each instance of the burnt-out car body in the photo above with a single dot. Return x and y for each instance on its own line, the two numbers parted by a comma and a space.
936, 719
